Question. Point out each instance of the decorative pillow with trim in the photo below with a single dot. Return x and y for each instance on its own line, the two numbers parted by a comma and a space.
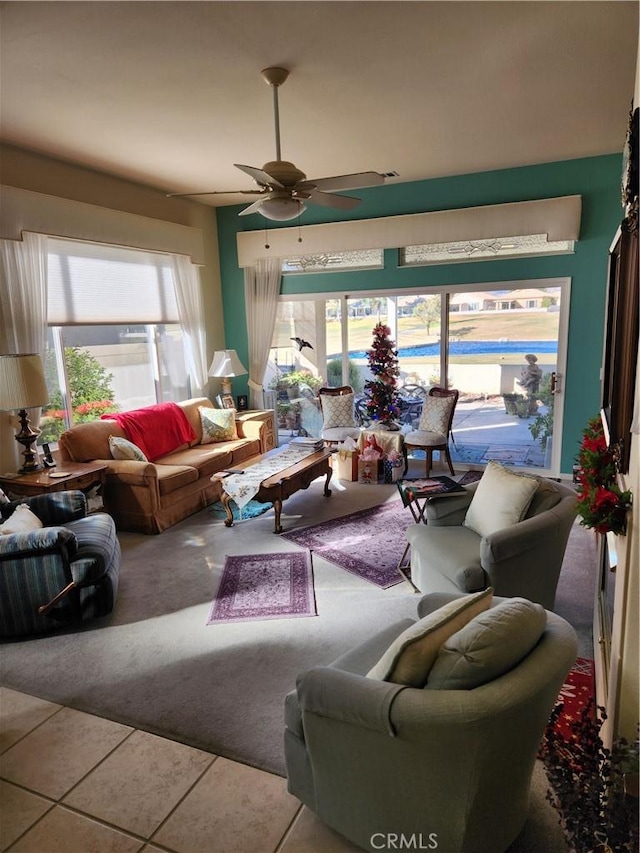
409, 659
489, 646
337, 411
218, 425
122, 448
435, 415
501, 500
21, 520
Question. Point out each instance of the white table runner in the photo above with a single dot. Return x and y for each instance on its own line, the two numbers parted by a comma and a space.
242, 487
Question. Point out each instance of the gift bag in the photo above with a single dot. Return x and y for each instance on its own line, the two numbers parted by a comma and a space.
368, 471
345, 465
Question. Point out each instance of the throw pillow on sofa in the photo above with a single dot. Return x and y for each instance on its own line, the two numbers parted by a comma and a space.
501, 500
122, 448
22, 520
488, 646
409, 659
218, 425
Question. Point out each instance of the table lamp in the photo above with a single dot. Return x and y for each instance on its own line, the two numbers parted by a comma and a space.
226, 364
22, 387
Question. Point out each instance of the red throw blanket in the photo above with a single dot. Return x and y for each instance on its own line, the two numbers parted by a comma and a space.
156, 430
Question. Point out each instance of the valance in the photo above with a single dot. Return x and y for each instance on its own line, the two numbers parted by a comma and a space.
558, 218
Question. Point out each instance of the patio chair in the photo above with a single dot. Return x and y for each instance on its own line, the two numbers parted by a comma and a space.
412, 399
338, 414
434, 427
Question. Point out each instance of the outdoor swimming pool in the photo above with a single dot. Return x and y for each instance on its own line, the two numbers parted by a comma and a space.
467, 348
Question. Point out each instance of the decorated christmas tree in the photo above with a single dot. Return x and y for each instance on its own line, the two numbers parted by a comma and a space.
382, 397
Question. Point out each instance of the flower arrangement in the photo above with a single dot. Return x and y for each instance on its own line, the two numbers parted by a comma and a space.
602, 504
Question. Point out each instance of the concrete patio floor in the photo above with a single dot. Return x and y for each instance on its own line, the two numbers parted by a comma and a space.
482, 430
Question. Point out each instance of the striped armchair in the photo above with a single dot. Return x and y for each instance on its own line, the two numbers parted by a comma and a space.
61, 574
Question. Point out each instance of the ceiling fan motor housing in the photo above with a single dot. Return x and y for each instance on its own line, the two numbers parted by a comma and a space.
284, 172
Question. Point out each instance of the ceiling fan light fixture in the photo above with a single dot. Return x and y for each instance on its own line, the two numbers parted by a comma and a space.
280, 209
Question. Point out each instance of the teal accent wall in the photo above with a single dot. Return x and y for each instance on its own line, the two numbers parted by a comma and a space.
596, 179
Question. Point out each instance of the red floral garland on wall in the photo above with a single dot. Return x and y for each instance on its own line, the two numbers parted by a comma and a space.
602, 505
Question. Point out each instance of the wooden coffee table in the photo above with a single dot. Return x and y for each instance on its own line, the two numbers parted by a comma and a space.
280, 486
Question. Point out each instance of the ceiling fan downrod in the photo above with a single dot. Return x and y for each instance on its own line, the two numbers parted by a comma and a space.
275, 77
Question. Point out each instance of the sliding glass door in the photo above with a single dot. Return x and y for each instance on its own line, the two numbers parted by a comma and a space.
503, 349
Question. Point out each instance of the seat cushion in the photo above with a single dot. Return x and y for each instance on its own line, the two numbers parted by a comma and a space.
172, 477
452, 551
501, 499
411, 655
488, 646
424, 438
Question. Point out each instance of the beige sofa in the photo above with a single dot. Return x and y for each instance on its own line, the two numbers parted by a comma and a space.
148, 497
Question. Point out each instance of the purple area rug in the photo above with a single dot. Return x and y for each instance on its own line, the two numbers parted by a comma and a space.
368, 543
264, 586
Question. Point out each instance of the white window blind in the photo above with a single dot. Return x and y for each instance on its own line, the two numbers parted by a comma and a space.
95, 283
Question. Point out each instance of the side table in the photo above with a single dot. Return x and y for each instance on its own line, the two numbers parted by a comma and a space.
79, 475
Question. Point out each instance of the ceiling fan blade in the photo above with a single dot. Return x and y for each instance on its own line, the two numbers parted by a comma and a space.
339, 202
345, 182
253, 208
259, 175
218, 192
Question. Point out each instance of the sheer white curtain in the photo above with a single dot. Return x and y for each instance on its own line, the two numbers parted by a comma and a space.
189, 298
23, 316
261, 291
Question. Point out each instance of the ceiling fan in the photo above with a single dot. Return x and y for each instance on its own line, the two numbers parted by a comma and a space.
283, 189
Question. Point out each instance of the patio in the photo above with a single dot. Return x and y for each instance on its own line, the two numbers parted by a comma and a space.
482, 430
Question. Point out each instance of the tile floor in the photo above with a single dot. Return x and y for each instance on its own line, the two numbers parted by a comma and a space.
71, 782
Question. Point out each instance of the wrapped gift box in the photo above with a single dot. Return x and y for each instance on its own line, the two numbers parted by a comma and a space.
345, 465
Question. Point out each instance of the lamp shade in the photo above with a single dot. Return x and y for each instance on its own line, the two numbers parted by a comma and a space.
226, 363
22, 383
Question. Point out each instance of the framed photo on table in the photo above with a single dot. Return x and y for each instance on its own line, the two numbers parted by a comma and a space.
225, 401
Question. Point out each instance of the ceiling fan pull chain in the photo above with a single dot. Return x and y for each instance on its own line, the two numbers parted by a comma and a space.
266, 237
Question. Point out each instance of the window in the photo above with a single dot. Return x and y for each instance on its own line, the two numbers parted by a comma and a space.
114, 339
476, 250
360, 259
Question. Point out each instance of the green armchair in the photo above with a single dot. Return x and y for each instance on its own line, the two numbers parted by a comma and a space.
522, 560
375, 759
61, 574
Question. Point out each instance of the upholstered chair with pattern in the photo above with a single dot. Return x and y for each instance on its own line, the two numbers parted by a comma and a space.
58, 565
434, 427
338, 414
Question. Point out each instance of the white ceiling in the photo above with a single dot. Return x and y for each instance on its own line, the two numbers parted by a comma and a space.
170, 94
